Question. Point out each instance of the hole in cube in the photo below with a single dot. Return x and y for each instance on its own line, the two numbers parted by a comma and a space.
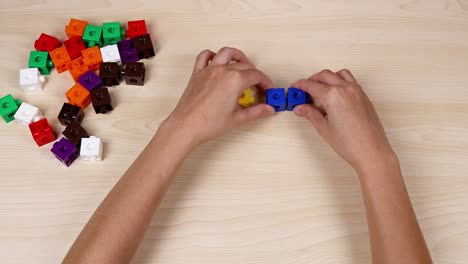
296, 95
88, 80
111, 30
133, 80
276, 96
62, 149
37, 59
92, 33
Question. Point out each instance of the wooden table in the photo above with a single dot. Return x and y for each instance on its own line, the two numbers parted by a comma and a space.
270, 192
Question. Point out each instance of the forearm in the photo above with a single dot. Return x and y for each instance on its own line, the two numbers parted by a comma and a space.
115, 230
394, 231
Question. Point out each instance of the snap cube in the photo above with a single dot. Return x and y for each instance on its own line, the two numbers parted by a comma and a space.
296, 97
144, 46
134, 73
77, 68
41, 132
46, 43
31, 80
27, 114
247, 98
75, 27
110, 74
65, 151
60, 58
136, 28
91, 148
41, 61
112, 33
74, 46
276, 97
92, 36
8, 107
70, 114
74, 133
79, 96
110, 53
101, 100
90, 81
127, 51
92, 58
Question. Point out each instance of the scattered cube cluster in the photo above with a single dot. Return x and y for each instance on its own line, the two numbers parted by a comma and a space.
96, 57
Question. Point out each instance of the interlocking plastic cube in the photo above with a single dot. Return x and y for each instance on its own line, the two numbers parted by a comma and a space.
276, 97
90, 81
101, 100
127, 51
134, 73
74, 46
144, 46
296, 97
65, 151
75, 27
92, 58
136, 28
46, 43
110, 54
8, 107
79, 96
92, 36
27, 114
60, 58
77, 68
110, 74
31, 80
70, 114
41, 61
74, 133
41, 132
247, 98
91, 148
112, 33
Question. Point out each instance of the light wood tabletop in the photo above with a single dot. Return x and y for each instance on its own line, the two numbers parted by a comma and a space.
272, 191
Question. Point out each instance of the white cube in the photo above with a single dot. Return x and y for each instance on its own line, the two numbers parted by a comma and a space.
91, 148
110, 53
31, 80
27, 114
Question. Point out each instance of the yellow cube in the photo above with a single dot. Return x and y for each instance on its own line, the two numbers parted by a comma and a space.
247, 98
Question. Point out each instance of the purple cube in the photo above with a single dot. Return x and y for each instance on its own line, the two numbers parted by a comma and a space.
65, 151
90, 81
127, 50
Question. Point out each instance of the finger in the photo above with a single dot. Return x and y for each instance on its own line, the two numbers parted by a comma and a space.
240, 66
203, 59
327, 77
255, 77
317, 90
226, 55
346, 75
252, 113
314, 115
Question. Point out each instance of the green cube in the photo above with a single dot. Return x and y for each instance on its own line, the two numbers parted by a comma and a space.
112, 33
41, 61
8, 107
92, 36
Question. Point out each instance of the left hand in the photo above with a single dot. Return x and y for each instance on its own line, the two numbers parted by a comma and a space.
209, 106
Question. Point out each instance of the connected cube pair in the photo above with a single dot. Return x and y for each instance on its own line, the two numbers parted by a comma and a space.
276, 97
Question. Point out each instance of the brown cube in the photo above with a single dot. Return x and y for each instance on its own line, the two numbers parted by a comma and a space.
101, 100
134, 73
70, 114
109, 73
74, 133
144, 46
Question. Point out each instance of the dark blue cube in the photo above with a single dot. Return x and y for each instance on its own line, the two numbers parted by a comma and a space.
276, 97
296, 97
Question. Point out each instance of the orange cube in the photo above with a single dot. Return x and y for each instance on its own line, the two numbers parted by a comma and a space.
77, 68
92, 58
79, 96
75, 27
60, 58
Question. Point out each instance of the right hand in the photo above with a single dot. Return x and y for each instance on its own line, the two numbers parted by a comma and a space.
346, 118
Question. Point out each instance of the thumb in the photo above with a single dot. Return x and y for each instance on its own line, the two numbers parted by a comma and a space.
314, 115
252, 113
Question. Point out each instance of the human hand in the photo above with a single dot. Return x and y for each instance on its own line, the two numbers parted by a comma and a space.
346, 118
209, 106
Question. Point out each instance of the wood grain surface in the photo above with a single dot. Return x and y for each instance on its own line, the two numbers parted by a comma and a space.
272, 191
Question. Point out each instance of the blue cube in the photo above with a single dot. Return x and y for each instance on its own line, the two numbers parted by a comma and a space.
276, 97
296, 97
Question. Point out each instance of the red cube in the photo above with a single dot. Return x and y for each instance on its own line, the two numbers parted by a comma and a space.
74, 46
136, 28
46, 43
42, 132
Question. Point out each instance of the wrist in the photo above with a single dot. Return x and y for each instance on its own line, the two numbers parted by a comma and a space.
174, 133
378, 162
